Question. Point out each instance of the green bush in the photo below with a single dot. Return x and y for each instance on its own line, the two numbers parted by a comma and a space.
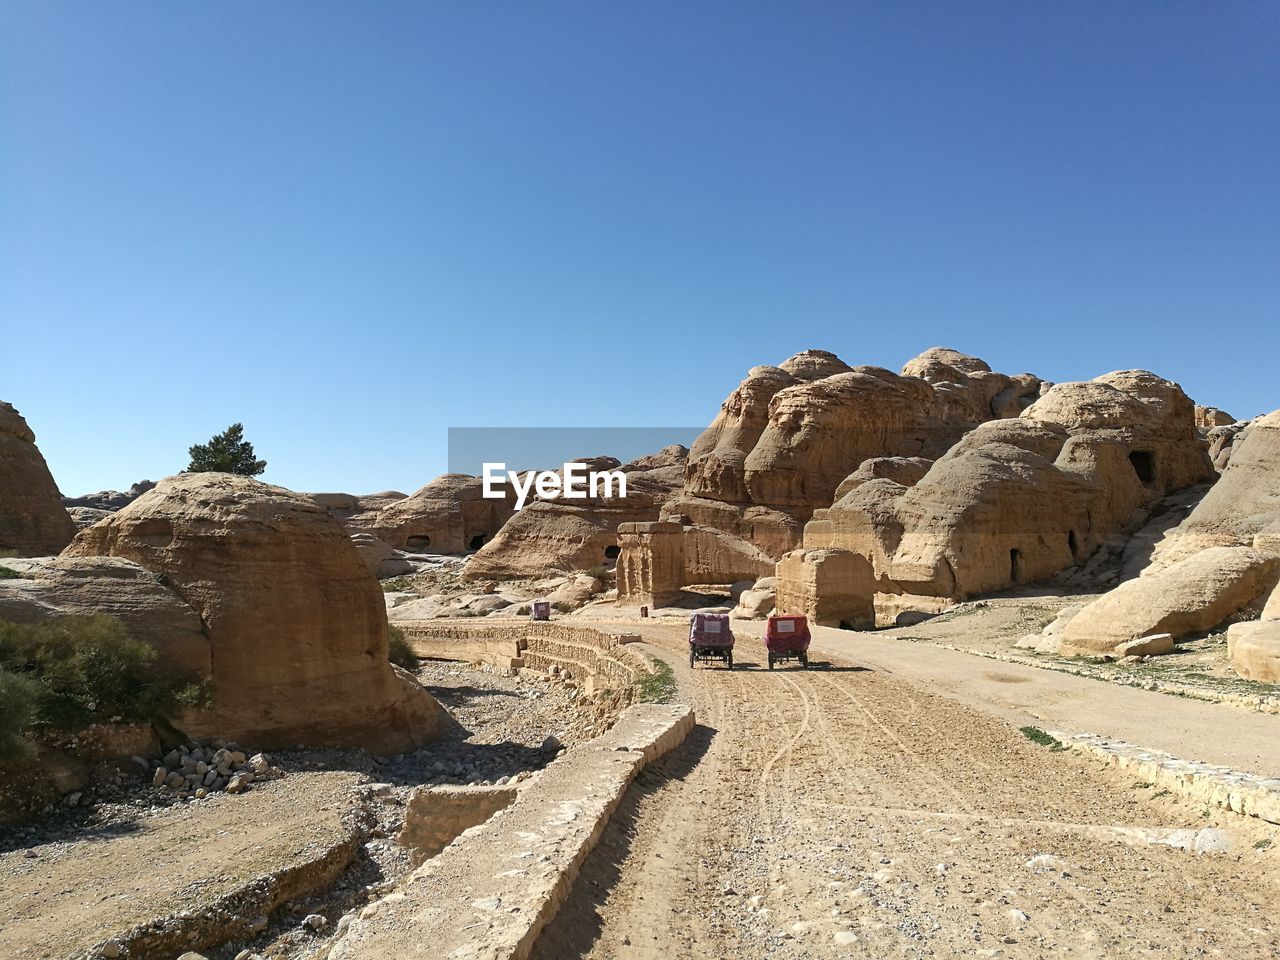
88, 669
524, 611
562, 606
600, 573
399, 651
19, 697
7, 574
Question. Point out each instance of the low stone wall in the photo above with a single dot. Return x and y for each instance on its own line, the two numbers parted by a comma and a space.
436, 816
1207, 783
490, 893
536, 645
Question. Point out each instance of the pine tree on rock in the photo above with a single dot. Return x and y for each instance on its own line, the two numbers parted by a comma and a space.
228, 452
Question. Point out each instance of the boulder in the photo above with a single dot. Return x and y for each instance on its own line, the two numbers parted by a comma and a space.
379, 557
1254, 649
758, 601
1152, 646
296, 624
1191, 596
33, 521
576, 591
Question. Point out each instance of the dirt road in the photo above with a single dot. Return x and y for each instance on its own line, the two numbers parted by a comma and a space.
844, 812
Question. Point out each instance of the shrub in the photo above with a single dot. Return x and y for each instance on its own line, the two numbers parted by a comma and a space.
524, 611
19, 697
88, 669
399, 652
396, 585
7, 574
600, 573
562, 606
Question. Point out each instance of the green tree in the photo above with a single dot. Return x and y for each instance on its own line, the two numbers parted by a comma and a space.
228, 452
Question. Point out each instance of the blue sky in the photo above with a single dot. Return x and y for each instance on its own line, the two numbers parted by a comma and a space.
352, 226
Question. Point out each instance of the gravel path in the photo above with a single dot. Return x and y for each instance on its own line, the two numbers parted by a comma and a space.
841, 812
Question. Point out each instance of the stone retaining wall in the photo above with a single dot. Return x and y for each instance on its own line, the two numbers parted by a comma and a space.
537, 645
1207, 783
490, 893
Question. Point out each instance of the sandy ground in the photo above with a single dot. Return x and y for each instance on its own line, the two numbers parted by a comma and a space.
846, 811
58, 898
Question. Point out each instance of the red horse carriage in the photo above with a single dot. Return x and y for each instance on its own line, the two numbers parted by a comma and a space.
787, 638
710, 638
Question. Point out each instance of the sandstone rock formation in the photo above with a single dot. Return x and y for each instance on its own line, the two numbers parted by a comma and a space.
378, 556
1243, 508
758, 601
358, 513
448, 515
109, 500
789, 435
1209, 417
1192, 595
81, 586
296, 625
567, 535
792, 438
1254, 649
1221, 561
1014, 501
33, 521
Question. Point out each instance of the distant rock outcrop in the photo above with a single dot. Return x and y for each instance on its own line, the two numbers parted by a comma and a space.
1013, 501
566, 535
109, 500
448, 515
33, 521
788, 437
296, 625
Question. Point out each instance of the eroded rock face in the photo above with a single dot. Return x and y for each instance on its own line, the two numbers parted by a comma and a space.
448, 515
1243, 507
788, 436
295, 622
1016, 500
568, 535
33, 522
119, 588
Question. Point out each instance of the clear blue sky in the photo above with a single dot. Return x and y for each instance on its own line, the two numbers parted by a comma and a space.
352, 226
